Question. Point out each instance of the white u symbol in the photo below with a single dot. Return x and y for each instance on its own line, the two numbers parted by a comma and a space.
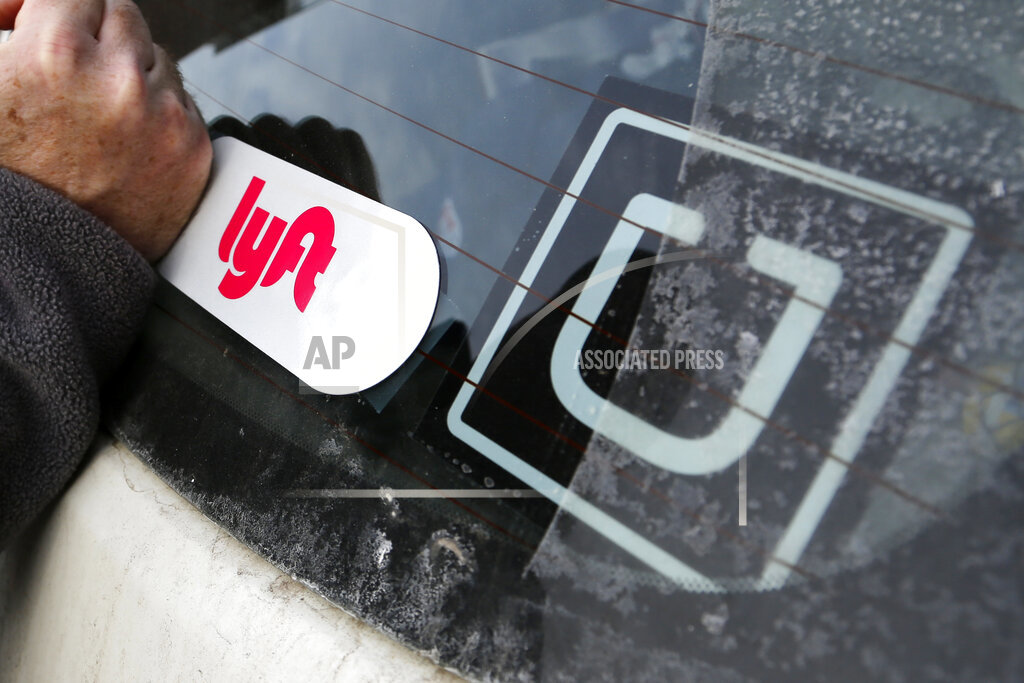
816, 279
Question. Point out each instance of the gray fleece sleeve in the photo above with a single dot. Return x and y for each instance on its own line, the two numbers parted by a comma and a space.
73, 295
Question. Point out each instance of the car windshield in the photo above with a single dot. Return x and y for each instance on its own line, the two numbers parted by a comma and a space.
725, 379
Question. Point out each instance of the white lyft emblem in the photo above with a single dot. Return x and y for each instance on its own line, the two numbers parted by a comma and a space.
293, 263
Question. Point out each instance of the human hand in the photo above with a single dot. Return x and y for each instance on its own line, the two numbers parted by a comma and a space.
91, 108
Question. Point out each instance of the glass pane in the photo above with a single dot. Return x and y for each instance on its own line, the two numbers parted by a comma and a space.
726, 377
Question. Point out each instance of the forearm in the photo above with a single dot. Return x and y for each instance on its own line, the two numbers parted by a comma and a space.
72, 298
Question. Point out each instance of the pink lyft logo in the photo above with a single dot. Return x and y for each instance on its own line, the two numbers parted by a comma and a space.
250, 259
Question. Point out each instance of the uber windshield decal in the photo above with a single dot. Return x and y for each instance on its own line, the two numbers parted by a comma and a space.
774, 285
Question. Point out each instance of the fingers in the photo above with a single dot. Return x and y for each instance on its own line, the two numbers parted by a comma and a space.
117, 25
124, 29
164, 75
82, 15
